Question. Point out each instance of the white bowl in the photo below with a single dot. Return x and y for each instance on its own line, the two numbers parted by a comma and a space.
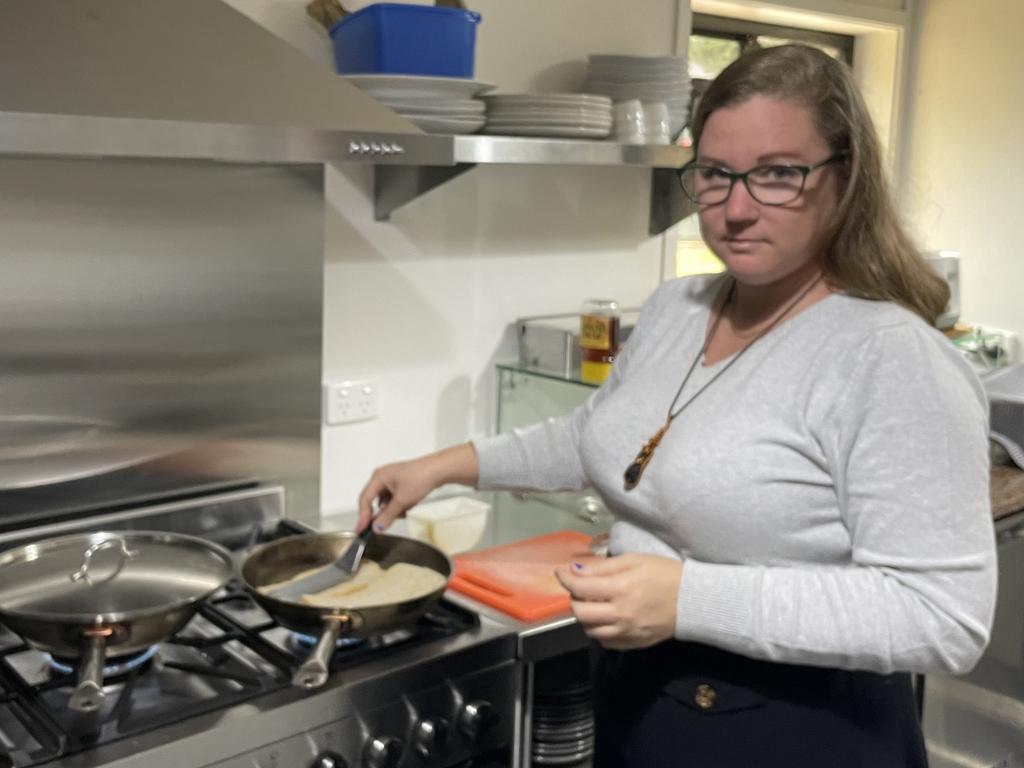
461, 107
440, 124
391, 87
657, 127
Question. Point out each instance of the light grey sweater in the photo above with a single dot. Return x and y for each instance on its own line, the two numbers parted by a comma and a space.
828, 493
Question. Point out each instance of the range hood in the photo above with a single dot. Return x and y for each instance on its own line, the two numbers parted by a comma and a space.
173, 78
188, 60
197, 80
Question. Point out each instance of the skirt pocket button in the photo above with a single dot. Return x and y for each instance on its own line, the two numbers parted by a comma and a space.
705, 696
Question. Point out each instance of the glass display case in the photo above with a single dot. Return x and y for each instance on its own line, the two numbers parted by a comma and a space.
526, 396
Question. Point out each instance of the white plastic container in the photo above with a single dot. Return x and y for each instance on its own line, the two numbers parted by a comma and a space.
452, 525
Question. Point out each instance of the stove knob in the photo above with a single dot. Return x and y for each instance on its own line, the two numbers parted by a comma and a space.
476, 718
382, 752
430, 737
329, 760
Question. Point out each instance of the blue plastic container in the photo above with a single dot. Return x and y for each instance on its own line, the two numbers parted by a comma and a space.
398, 39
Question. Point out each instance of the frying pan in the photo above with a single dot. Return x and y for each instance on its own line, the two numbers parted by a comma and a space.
280, 560
106, 594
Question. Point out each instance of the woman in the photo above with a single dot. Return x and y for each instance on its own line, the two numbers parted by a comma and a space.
796, 461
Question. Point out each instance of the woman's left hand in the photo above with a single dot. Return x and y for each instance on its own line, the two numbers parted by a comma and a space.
624, 602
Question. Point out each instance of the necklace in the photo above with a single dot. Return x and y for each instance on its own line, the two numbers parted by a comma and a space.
636, 469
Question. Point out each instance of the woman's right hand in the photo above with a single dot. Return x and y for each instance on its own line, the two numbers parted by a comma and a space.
396, 488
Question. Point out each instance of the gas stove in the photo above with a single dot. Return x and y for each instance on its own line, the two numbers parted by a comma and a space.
440, 692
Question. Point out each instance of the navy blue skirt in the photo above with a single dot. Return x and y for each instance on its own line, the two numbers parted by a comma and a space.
684, 704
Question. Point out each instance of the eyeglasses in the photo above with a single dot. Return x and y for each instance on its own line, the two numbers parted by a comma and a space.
767, 184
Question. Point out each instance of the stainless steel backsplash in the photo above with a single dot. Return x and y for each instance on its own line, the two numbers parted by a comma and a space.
160, 332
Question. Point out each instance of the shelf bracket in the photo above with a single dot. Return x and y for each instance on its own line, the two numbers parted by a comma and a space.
668, 203
396, 185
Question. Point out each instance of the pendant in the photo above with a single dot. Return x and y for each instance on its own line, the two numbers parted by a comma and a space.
635, 470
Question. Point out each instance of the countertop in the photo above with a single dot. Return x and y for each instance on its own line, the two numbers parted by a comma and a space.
517, 517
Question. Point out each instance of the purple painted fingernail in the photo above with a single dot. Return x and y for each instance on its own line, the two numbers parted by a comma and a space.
577, 566
378, 528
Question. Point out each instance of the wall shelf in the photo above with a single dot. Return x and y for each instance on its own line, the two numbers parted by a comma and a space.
407, 165
82, 90
396, 184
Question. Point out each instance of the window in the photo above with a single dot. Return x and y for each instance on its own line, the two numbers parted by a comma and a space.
693, 257
716, 41
708, 55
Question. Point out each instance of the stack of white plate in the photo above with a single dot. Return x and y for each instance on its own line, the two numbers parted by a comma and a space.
435, 104
563, 726
560, 115
647, 78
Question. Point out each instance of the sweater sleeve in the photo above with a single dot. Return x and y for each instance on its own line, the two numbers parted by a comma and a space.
906, 443
546, 456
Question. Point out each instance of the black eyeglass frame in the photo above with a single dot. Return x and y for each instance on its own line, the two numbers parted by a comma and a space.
734, 176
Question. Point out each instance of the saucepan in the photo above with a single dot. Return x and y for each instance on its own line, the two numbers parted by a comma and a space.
283, 559
105, 595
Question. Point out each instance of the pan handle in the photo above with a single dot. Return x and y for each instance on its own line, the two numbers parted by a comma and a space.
124, 555
88, 695
314, 670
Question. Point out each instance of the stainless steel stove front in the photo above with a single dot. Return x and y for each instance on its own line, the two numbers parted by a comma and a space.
441, 701
440, 706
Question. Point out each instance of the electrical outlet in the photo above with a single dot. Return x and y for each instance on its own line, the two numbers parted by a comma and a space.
349, 401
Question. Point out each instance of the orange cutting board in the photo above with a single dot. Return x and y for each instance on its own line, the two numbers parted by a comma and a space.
519, 578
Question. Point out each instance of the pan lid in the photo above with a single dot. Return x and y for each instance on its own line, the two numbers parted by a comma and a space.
110, 576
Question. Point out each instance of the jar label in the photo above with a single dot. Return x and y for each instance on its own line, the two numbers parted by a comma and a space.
596, 331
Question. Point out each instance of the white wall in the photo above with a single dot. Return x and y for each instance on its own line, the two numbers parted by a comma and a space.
965, 159
422, 303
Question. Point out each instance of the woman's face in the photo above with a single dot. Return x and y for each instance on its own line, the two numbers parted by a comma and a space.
761, 244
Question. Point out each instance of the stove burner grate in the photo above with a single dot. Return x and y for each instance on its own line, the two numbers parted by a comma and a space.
231, 652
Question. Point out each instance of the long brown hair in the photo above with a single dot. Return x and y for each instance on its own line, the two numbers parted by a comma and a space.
868, 253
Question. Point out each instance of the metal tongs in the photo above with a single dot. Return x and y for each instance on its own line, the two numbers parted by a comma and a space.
338, 572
